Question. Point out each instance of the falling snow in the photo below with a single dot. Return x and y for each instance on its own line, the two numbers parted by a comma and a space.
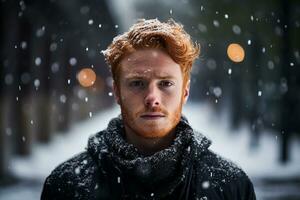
22, 5
217, 91
205, 184
73, 61
216, 23
271, 65
38, 61
63, 98
91, 22
23, 44
77, 170
259, 93
40, 32
236, 29
36, 83
55, 67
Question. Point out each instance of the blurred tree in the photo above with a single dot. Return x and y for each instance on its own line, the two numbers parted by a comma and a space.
44, 45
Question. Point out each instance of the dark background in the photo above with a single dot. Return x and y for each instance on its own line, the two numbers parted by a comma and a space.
44, 44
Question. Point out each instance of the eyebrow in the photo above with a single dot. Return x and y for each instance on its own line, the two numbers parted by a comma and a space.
138, 76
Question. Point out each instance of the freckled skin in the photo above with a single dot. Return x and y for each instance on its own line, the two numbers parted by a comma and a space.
150, 82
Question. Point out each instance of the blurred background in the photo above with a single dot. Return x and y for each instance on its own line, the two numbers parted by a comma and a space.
55, 88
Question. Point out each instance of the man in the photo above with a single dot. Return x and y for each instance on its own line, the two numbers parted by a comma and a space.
150, 151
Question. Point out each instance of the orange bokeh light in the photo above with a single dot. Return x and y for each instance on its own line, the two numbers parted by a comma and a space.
86, 77
236, 52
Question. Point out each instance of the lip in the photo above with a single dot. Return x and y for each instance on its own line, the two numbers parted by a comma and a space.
152, 116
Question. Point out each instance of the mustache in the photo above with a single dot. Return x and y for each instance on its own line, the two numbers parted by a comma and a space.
158, 109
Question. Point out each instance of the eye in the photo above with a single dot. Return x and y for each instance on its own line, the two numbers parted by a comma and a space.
137, 84
166, 83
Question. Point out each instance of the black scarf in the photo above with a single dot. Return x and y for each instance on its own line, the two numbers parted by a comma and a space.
147, 177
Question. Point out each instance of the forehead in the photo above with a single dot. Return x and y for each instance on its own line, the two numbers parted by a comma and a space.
149, 62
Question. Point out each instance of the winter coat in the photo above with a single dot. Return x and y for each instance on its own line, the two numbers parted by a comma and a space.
111, 168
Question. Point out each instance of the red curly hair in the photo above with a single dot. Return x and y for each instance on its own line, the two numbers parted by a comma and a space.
168, 36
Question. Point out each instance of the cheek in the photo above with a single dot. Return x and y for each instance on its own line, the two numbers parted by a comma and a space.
129, 100
174, 98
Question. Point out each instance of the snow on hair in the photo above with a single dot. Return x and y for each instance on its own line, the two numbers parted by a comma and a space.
168, 36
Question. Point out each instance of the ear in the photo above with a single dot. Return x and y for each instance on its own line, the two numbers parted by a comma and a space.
186, 91
116, 93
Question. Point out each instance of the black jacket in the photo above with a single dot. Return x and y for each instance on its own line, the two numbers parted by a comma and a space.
111, 168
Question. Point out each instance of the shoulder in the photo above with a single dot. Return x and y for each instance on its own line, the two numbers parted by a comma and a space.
76, 172
218, 168
220, 178
210, 165
76, 166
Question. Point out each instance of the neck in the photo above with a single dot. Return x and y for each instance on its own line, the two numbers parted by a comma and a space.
148, 146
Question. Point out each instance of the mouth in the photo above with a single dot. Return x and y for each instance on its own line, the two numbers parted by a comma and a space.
152, 116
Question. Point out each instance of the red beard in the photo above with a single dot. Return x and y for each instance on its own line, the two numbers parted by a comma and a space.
151, 129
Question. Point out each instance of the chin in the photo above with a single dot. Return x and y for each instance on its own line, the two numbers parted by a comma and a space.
152, 134
153, 130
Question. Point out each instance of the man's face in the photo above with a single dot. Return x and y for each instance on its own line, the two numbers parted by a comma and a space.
150, 92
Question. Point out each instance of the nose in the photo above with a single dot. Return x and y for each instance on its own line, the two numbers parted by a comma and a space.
152, 98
